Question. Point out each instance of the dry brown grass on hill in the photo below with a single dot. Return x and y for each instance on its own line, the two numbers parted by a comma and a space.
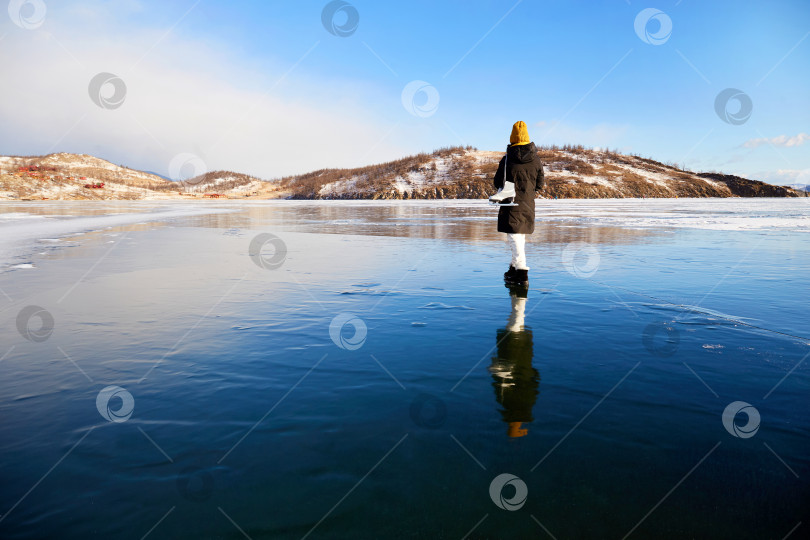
751, 188
371, 181
573, 165
215, 180
572, 171
562, 188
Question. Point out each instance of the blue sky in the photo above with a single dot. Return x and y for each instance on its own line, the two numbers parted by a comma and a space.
262, 87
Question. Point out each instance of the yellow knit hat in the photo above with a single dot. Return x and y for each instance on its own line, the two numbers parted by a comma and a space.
520, 134
515, 429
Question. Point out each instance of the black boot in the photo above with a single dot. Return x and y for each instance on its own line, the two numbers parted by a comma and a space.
518, 291
509, 274
519, 277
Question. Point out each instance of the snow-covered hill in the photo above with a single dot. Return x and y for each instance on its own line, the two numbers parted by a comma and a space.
76, 176
225, 182
570, 171
448, 173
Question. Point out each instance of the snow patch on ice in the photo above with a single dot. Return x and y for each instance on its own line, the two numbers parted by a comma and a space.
733, 214
21, 238
16, 216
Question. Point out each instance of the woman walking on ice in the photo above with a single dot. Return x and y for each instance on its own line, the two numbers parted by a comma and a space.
519, 176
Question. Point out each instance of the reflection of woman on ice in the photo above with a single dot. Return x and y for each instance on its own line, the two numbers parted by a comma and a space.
514, 378
519, 176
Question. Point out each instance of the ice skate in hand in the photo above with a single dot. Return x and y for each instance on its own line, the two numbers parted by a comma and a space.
505, 196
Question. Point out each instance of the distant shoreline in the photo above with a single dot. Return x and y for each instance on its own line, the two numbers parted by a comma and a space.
454, 173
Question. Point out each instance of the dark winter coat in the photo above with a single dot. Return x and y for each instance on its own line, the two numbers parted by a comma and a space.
515, 352
523, 167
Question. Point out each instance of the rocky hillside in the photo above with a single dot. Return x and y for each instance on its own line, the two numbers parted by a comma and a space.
571, 172
75, 176
448, 173
226, 182
82, 177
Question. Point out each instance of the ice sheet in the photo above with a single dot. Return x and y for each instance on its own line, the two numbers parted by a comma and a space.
716, 214
22, 233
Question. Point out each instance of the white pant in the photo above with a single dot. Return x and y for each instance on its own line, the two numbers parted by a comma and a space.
518, 315
517, 242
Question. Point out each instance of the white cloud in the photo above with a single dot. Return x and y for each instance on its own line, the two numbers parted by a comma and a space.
782, 140
784, 177
182, 96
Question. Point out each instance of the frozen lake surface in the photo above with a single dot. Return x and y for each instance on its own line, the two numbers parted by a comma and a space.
354, 369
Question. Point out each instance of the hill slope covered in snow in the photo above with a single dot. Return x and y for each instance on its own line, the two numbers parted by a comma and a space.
448, 173
570, 172
66, 176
